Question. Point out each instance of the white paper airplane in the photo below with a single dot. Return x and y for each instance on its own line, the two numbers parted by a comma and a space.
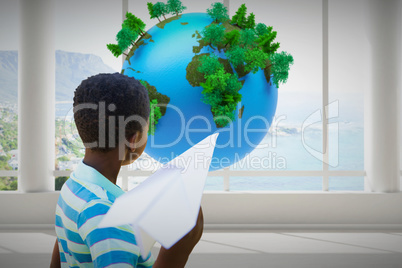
165, 206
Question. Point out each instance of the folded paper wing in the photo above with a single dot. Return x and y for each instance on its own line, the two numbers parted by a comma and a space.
165, 206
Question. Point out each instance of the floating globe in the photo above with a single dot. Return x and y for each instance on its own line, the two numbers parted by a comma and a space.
161, 59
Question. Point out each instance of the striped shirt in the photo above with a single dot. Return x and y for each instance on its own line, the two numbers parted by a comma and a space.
84, 199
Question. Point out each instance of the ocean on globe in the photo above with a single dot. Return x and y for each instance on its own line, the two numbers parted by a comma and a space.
162, 60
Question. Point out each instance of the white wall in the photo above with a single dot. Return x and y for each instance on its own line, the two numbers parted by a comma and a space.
279, 209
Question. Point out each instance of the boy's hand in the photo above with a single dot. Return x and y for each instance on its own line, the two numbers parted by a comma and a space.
55, 261
178, 254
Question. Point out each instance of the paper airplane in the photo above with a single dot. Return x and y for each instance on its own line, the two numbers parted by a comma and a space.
165, 206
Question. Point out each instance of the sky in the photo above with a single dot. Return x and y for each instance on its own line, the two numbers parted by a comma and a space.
86, 26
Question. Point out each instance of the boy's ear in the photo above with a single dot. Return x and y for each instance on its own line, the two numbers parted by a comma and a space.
135, 138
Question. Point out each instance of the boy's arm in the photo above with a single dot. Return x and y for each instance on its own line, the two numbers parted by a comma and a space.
178, 254
55, 261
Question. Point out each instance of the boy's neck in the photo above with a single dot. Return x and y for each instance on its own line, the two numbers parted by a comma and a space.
107, 164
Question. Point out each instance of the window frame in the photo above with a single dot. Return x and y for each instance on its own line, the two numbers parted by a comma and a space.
226, 173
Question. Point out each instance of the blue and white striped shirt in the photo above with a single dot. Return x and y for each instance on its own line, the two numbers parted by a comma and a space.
84, 199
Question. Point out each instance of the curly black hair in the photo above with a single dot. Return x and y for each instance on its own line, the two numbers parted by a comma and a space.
102, 102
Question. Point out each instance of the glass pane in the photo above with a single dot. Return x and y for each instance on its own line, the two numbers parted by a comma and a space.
69, 148
275, 183
119, 182
346, 183
299, 100
80, 52
59, 182
214, 184
8, 183
9, 28
145, 163
134, 181
140, 9
211, 184
8, 137
348, 64
85, 27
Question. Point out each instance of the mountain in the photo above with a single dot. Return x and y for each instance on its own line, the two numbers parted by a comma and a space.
71, 69
8, 76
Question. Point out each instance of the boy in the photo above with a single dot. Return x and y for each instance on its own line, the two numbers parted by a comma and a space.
111, 112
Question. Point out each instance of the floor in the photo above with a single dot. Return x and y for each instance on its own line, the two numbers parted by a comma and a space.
276, 249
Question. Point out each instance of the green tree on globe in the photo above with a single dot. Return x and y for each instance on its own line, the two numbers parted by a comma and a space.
204, 73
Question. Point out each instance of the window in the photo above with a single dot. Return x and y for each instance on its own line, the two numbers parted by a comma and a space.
9, 25
298, 99
296, 138
80, 52
294, 157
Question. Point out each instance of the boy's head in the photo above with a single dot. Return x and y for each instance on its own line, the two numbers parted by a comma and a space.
111, 111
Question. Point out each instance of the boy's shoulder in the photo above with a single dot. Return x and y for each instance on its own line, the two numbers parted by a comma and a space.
80, 200
87, 186
84, 200
80, 194
84, 190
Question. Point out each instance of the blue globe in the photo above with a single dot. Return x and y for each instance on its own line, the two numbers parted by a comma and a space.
162, 61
